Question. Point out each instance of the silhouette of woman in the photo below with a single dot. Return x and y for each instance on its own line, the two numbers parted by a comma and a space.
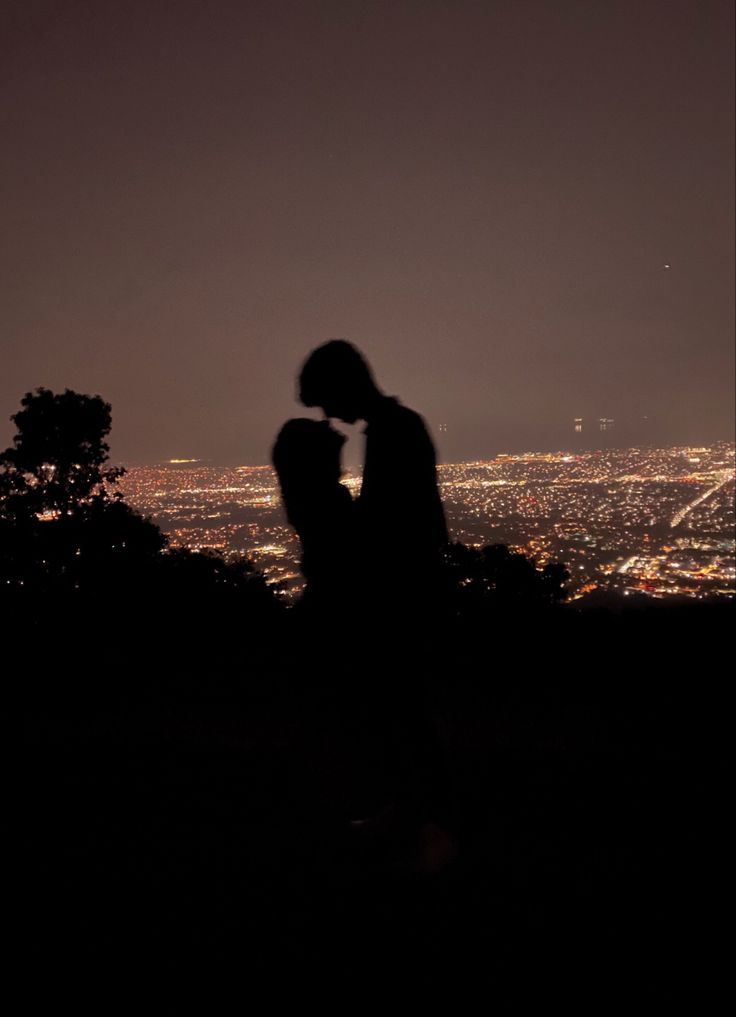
306, 457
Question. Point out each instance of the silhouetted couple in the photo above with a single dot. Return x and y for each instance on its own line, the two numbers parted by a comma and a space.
381, 551
373, 569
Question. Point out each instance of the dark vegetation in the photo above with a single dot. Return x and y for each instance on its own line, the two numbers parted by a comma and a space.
192, 754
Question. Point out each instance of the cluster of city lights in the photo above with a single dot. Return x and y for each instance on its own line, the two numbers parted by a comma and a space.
652, 521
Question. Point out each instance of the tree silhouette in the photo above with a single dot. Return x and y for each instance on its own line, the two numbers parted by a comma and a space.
494, 577
71, 548
62, 526
55, 466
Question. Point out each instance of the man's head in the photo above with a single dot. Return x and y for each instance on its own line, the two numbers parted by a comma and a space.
336, 378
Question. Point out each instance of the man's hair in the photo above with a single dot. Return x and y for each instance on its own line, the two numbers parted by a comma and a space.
336, 366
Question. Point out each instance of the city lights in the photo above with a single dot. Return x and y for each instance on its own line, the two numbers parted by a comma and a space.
652, 521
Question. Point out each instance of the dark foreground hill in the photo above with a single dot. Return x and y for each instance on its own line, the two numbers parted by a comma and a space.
186, 803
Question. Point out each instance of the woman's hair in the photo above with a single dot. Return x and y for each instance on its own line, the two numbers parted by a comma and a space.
307, 449
306, 457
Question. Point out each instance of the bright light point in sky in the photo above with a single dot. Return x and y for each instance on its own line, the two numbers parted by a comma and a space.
666, 265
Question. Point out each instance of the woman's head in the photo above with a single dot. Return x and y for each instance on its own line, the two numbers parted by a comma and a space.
307, 452
306, 458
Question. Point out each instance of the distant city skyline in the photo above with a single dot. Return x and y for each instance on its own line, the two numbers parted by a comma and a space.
591, 438
632, 520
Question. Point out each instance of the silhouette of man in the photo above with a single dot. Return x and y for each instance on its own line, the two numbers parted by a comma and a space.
400, 518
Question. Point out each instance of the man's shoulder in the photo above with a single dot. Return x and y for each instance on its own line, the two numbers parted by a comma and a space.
395, 416
399, 432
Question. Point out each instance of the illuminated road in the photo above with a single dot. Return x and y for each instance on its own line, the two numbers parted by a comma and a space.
679, 516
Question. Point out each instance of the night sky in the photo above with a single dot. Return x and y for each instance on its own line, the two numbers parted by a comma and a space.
481, 195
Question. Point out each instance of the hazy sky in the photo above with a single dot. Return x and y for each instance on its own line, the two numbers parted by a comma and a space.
481, 195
